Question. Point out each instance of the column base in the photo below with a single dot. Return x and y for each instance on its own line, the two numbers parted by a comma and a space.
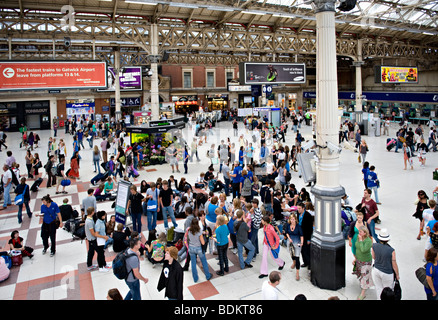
327, 260
327, 254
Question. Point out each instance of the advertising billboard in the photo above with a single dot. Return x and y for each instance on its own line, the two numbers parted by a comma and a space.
130, 79
270, 73
388, 74
46, 75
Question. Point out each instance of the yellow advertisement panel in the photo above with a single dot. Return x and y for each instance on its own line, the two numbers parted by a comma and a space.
399, 74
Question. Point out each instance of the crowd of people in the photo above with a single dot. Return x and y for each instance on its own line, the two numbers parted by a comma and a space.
255, 198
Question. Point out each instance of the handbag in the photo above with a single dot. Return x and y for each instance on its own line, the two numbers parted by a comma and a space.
397, 290
19, 199
275, 252
435, 175
65, 182
152, 204
292, 250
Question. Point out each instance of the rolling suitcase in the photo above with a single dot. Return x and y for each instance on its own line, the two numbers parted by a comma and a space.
390, 144
36, 184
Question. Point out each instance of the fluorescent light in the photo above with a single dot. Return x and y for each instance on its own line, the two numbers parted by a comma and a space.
139, 2
429, 33
283, 15
183, 5
255, 12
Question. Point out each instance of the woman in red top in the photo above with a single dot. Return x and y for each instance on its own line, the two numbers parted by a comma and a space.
16, 243
271, 242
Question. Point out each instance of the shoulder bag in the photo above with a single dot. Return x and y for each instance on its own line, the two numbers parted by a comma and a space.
19, 199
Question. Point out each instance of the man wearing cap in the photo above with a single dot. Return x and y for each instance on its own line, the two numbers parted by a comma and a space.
172, 275
385, 264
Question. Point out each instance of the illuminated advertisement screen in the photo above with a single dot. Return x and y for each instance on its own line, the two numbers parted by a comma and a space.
397, 74
46, 75
130, 79
270, 73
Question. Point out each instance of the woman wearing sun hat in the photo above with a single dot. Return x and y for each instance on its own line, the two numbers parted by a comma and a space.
385, 264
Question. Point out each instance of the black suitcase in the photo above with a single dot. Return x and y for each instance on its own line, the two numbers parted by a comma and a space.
390, 146
36, 184
99, 177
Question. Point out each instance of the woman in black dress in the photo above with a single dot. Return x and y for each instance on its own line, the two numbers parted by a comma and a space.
423, 203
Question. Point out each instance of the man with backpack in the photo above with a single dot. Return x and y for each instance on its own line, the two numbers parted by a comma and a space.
132, 269
246, 186
267, 195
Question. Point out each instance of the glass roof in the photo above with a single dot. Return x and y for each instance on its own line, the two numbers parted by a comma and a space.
416, 12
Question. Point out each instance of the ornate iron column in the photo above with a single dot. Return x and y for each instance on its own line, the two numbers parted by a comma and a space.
328, 245
154, 59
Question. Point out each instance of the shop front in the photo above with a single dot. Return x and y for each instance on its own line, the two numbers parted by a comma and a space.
217, 102
34, 114
80, 109
128, 105
185, 104
37, 115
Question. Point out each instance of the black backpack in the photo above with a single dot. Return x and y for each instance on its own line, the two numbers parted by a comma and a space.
14, 178
266, 195
119, 265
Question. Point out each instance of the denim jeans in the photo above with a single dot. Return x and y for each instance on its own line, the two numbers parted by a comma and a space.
20, 210
169, 210
152, 219
227, 186
372, 226
136, 221
376, 193
195, 252
96, 165
134, 290
255, 240
7, 196
248, 245
268, 207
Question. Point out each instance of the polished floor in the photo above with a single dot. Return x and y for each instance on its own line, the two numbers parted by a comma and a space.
65, 275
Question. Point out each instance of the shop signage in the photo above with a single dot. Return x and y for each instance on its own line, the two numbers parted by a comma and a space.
270, 73
170, 122
127, 102
40, 110
46, 75
384, 96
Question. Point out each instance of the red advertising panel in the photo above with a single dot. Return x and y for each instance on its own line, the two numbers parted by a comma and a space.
44, 75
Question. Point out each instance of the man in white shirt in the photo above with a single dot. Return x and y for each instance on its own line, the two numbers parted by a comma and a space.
7, 183
269, 287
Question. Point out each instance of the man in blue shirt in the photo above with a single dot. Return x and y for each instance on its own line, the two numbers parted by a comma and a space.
50, 211
236, 175
80, 135
372, 182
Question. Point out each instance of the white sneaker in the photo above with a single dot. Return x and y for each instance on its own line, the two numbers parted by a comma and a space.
103, 269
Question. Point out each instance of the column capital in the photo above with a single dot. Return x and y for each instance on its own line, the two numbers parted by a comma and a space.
154, 58
358, 63
324, 5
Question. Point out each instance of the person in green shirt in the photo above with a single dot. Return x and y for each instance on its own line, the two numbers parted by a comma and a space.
109, 185
363, 263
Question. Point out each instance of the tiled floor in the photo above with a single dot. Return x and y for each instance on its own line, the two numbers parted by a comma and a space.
65, 275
